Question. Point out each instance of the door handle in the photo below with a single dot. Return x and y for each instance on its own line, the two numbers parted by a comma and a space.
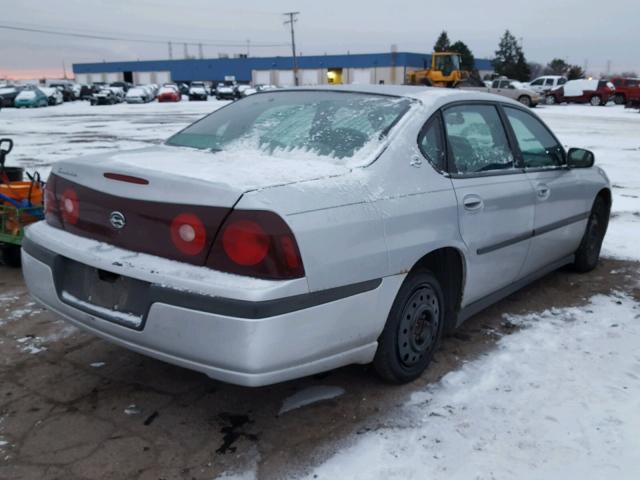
472, 203
543, 191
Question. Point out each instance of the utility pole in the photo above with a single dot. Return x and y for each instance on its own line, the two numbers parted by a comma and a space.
248, 46
200, 51
64, 70
186, 52
291, 21
170, 51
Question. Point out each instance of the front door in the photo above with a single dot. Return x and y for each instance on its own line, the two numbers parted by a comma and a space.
495, 198
562, 204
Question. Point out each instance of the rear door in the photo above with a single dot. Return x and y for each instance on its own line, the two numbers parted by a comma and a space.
562, 204
495, 198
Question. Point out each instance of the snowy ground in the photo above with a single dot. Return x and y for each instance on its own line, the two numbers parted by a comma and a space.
556, 396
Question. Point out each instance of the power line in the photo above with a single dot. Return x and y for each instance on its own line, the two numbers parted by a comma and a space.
292, 19
129, 39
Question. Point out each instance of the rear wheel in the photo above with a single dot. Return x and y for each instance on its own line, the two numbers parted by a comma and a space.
11, 256
413, 329
550, 100
619, 99
588, 253
595, 100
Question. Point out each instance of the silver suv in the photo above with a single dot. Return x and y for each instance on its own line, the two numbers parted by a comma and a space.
300, 230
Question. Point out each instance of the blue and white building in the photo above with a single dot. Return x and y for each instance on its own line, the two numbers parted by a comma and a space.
364, 68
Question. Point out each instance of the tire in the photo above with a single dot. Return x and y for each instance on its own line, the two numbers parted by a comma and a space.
595, 100
11, 256
550, 100
413, 330
525, 100
619, 99
588, 253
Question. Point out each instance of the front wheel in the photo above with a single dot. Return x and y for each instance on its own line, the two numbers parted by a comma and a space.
413, 329
595, 101
550, 100
588, 253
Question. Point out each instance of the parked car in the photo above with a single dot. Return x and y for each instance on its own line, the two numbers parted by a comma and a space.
125, 86
546, 83
138, 95
67, 90
225, 92
627, 89
511, 89
198, 91
87, 92
595, 92
241, 89
359, 238
31, 97
106, 96
9, 94
169, 93
54, 96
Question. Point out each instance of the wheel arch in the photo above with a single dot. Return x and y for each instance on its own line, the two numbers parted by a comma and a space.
605, 194
449, 266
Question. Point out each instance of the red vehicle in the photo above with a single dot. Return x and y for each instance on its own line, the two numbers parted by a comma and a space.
169, 94
627, 90
595, 92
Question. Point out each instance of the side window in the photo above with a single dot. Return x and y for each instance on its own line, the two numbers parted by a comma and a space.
538, 82
562, 81
495, 84
505, 84
477, 140
549, 81
430, 143
539, 148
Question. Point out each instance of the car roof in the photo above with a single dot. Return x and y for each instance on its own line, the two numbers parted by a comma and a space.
427, 95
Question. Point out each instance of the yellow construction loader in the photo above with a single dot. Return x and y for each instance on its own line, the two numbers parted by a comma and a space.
444, 72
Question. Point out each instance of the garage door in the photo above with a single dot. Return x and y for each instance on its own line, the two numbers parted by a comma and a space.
161, 77
144, 78
113, 77
262, 77
309, 77
284, 78
361, 75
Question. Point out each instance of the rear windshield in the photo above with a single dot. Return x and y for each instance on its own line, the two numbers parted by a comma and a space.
331, 125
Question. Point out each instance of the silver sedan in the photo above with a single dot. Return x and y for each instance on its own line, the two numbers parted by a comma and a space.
300, 230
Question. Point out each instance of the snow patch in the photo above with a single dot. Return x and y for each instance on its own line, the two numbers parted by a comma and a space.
558, 399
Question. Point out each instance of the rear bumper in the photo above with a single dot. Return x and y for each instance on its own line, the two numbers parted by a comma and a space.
242, 342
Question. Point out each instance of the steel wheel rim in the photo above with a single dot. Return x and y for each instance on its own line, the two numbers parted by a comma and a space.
419, 325
595, 101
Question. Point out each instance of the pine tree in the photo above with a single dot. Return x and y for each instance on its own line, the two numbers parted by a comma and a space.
510, 60
442, 44
575, 72
557, 66
468, 60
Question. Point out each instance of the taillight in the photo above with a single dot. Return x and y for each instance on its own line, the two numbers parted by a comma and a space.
70, 206
51, 211
245, 243
188, 233
256, 243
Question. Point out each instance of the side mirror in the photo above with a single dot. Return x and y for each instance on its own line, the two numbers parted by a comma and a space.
580, 158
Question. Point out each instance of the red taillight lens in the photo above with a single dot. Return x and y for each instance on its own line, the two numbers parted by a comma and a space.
245, 242
258, 244
188, 234
70, 206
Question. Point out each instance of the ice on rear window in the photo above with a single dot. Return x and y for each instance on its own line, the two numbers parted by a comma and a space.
324, 125
26, 95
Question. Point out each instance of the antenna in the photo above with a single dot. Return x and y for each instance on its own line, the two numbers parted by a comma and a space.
292, 19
